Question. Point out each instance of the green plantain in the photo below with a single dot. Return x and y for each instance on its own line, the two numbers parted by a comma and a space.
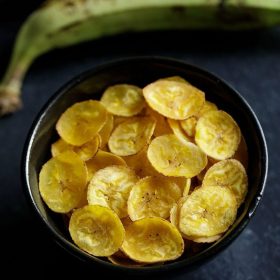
60, 23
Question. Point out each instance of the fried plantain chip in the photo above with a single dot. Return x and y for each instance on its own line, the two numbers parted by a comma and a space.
152, 197
162, 126
62, 182
96, 230
81, 122
188, 126
175, 100
101, 160
178, 132
207, 211
106, 130
131, 136
231, 174
111, 186
217, 134
85, 151
171, 157
152, 240
123, 100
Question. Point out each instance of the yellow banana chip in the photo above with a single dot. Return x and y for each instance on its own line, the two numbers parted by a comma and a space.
187, 187
152, 197
178, 132
101, 160
81, 122
85, 152
175, 100
171, 157
131, 136
188, 126
231, 174
217, 134
96, 230
207, 107
123, 100
162, 126
207, 211
62, 182
210, 239
175, 79
111, 186
242, 153
106, 130
152, 240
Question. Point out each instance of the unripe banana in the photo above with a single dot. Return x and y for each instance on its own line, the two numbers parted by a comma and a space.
60, 23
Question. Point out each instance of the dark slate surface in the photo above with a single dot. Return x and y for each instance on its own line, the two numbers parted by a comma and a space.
250, 61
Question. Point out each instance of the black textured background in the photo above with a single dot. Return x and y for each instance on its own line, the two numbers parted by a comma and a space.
250, 61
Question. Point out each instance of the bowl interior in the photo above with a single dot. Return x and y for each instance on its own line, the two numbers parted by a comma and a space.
141, 71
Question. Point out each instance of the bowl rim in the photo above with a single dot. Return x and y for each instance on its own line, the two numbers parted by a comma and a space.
195, 260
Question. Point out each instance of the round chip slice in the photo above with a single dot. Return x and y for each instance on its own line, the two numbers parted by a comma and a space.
123, 100
96, 230
85, 152
188, 126
217, 134
101, 160
152, 240
175, 100
62, 182
162, 126
106, 130
131, 136
81, 122
207, 211
171, 157
152, 197
110, 187
207, 107
175, 79
228, 173
178, 132
209, 239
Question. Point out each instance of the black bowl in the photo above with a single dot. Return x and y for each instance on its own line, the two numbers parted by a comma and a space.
141, 71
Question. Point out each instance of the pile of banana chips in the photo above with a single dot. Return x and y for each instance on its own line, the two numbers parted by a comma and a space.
143, 173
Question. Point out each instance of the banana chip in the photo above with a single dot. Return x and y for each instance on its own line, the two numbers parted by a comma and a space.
217, 134
178, 132
152, 240
207, 107
188, 126
208, 211
187, 187
106, 130
62, 182
110, 187
85, 152
210, 239
231, 174
96, 230
101, 160
171, 157
162, 126
152, 197
175, 79
123, 100
175, 100
131, 136
81, 122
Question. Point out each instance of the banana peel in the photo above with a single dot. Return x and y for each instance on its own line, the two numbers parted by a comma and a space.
61, 23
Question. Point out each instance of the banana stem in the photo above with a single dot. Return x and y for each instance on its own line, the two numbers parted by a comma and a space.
10, 87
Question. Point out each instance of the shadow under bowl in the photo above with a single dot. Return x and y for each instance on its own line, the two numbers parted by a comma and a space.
141, 71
